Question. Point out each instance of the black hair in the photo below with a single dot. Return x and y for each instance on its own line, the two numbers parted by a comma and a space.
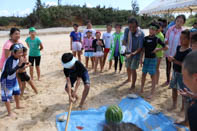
155, 25
88, 21
66, 57
186, 33
132, 21
13, 30
181, 16
190, 63
121, 127
76, 25
24, 49
109, 25
194, 38
119, 25
11, 48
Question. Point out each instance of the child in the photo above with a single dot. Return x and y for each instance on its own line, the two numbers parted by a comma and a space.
173, 40
98, 46
194, 29
23, 75
159, 54
107, 38
35, 46
75, 42
117, 40
74, 72
9, 83
190, 79
194, 42
150, 61
87, 46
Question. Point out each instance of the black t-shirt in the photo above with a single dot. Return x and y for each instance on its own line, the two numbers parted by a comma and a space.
97, 47
76, 71
192, 116
150, 44
179, 56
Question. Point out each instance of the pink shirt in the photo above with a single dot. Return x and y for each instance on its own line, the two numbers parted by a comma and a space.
6, 46
87, 44
173, 37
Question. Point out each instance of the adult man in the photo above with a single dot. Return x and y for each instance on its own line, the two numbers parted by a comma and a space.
133, 40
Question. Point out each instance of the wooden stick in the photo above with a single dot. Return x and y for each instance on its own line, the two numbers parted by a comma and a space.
68, 117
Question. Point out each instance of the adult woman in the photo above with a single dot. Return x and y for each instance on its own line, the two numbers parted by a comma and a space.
89, 28
14, 38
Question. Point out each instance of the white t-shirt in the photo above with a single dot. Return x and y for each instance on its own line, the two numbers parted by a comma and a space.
107, 38
92, 30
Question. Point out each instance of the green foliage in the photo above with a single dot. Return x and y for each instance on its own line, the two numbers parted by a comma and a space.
191, 20
5, 21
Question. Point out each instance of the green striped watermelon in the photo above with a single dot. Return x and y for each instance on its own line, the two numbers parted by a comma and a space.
113, 114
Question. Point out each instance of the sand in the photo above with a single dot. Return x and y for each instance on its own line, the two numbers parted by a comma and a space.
106, 88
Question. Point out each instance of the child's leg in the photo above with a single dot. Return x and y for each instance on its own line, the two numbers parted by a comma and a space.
143, 82
79, 55
110, 64
174, 98
96, 63
7, 104
120, 64
23, 88
116, 62
31, 71
87, 59
74, 53
32, 86
16, 97
38, 72
153, 77
168, 70
101, 63
85, 93
93, 62
104, 59
158, 71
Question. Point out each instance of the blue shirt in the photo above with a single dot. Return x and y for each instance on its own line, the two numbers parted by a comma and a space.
76, 36
136, 41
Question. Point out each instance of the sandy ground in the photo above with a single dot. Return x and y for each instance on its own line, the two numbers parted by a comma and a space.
106, 88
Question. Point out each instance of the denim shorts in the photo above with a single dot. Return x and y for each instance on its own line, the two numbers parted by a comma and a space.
85, 77
88, 54
177, 81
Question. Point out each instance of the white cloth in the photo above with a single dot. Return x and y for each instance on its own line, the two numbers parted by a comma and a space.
92, 30
98, 54
76, 46
107, 38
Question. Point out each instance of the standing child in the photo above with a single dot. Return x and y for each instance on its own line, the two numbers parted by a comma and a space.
87, 46
35, 46
75, 42
98, 46
177, 80
107, 38
172, 38
9, 83
159, 54
150, 61
117, 40
23, 75
74, 72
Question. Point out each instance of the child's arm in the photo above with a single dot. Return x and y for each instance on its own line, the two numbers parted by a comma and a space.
69, 89
142, 57
41, 46
165, 47
172, 59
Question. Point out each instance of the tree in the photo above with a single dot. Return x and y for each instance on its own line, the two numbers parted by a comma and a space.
38, 5
59, 2
135, 7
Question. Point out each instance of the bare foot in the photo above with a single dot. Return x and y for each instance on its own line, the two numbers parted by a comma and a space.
172, 108
132, 88
127, 81
165, 84
184, 122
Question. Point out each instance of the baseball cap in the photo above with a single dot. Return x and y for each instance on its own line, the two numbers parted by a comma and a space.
32, 29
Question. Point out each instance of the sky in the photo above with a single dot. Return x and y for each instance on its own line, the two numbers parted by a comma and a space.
25, 7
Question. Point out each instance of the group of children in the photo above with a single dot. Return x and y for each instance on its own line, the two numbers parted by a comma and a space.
14, 75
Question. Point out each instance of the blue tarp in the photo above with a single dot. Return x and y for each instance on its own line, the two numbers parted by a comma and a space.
134, 111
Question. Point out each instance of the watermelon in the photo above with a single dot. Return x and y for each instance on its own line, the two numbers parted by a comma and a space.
113, 114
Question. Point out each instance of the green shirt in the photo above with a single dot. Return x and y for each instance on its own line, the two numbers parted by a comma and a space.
161, 37
34, 46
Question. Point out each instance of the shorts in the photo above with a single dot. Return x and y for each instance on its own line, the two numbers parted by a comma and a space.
106, 50
89, 54
177, 81
85, 77
76, 46
23, 76
132, 63
9, 88
98, 54
36, 59
149, 66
